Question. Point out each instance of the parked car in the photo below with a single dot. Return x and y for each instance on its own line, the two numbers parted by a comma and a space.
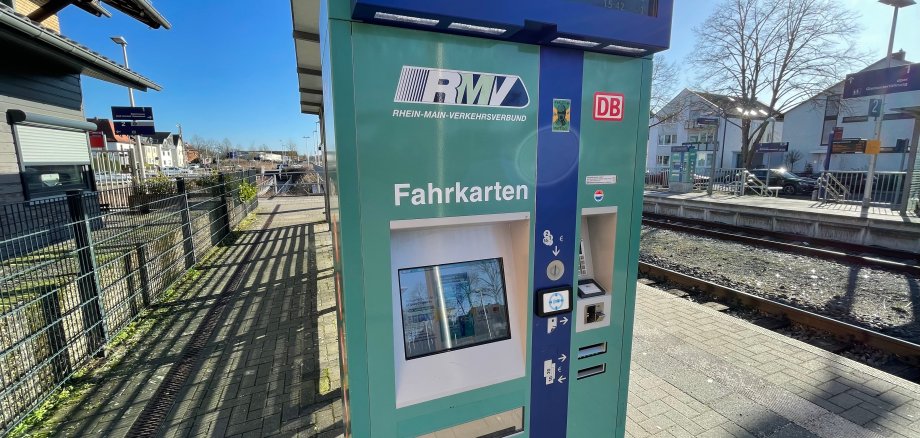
172, 171
791, 183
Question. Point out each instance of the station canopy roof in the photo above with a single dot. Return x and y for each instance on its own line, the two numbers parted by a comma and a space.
305, 15
21, 35
140, 10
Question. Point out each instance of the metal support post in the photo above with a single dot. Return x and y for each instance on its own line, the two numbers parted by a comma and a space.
873, 158
224, 210
184, 213
142, 262
88, 281
911, 167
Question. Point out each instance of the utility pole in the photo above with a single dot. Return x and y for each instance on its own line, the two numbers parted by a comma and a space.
139, 152
873, 158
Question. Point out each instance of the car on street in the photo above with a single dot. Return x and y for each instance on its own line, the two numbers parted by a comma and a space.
172, 171
791, 183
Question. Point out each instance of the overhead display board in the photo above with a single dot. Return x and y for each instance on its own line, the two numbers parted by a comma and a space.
623, 27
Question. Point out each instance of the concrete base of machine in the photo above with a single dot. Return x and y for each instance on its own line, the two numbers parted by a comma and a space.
794, 217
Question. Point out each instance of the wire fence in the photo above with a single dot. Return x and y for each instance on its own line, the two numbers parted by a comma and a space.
76, 271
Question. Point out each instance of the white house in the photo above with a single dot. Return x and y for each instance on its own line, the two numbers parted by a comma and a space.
164, 149
811, 123
706, 120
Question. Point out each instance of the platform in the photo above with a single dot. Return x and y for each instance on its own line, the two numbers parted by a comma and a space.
700, 373
837, 222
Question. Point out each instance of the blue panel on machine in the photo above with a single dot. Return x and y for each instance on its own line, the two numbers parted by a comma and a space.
623, 27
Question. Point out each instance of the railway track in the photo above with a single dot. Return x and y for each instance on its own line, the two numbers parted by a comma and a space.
907, 351
845, 253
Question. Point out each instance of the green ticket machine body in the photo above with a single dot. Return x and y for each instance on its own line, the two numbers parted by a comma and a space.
485, 171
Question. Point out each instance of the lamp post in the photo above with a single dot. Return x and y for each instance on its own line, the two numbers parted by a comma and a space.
873, 158
307, 147
140, 174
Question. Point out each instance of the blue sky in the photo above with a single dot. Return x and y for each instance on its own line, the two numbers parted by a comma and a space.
228, 69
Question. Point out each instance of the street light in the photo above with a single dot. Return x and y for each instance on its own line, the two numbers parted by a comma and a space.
141, 173
873, 158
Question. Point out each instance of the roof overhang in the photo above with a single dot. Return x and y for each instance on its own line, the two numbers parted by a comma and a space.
912, 110
305, 14
140, 10
18, 31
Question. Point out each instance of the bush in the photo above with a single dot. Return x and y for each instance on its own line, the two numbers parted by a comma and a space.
248, 191
158, 185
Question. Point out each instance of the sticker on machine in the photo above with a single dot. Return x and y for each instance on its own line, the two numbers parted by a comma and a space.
609, 106
595, 180
598, 195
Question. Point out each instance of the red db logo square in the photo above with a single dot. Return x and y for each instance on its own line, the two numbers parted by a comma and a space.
609, 106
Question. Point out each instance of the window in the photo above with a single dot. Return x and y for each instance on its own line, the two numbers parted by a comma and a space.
452, 306
667, 139
662, 160
50, 180
694, 139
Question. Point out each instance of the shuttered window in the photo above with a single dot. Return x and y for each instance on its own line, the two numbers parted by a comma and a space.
40, 145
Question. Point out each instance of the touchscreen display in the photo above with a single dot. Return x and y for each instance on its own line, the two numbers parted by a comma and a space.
453, 306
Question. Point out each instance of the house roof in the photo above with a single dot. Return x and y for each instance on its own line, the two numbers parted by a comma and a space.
736, 107
108, 128
160, 137
17, 30
176, 138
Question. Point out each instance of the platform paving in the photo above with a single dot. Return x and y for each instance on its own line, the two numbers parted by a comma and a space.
697, 372
792, 204
270, 364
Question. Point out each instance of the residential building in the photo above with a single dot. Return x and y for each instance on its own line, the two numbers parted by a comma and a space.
116, 145
810, 123
44, 147
164, 149
707, 120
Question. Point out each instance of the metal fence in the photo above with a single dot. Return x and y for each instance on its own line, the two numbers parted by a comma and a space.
74, 272
849, 187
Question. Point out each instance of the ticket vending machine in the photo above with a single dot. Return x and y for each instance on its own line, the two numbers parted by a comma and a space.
486, 164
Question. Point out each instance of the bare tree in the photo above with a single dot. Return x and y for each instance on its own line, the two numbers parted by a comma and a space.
792, 157
778, 51
290, 149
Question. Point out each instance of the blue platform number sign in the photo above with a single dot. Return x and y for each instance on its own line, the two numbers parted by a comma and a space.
875, 107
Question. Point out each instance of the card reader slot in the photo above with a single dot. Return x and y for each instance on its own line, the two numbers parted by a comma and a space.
592, 371
592, 350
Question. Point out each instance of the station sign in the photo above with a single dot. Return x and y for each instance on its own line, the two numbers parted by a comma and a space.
132, 113
97, 140
849, 146
897, 79
630, 28
140, 127
133, 120
771, 147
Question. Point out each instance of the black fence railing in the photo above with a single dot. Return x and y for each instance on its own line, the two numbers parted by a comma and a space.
76, 271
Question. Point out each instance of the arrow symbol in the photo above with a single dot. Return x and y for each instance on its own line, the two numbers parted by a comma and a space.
563, 357
565, 320
561, 379
556, 250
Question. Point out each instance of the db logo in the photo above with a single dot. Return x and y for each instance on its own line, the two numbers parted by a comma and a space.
609, 106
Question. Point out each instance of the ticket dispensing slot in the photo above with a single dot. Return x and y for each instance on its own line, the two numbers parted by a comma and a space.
591, 371
596, 252
592, 350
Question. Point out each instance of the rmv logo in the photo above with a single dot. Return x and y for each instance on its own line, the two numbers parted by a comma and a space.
456, 87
